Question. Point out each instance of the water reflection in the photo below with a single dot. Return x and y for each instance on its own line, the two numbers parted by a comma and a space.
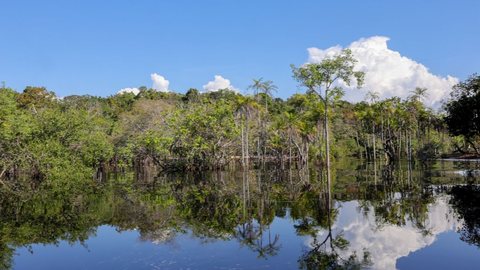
379, 245
373, 215
464, 199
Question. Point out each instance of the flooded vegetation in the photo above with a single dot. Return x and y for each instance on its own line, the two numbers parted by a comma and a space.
375, 217
228, 178
221, 180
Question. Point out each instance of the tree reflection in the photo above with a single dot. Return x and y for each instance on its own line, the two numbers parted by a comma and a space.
235, 205
325, 246
400, 197
465, 202
44, 217
257, 219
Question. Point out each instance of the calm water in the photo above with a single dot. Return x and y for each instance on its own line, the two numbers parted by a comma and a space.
379, 217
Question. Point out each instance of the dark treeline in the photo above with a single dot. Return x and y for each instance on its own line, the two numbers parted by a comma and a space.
44, 137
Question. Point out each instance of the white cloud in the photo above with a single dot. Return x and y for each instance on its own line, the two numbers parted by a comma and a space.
388, 72
217, 84
159, 82
133, 90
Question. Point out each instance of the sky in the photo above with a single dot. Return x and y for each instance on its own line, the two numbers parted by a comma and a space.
102, 47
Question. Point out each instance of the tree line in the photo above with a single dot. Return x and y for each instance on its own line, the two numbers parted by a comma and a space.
45, 137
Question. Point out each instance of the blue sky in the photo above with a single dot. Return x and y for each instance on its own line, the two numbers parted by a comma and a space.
99, 47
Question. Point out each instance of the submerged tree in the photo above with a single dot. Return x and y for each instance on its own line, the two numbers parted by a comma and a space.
321, 78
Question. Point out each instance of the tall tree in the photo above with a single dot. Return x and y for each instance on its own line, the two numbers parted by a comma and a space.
321, 78
244, 107
266, 88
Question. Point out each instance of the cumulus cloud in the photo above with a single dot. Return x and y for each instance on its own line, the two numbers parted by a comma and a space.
217, 84
133, 90
388, 72
159, 82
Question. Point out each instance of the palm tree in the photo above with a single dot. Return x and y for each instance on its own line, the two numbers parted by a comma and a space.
245, 107
373, 97
267, 88
418, 94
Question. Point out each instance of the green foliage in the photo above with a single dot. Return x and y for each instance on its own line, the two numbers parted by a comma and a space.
41, 136
463, 110
35, 98
203, 133
318, 76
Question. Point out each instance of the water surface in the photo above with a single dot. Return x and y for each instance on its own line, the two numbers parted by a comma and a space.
376, 217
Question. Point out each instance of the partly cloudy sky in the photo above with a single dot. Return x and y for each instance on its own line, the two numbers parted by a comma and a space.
161, 84
119, 48
388, 72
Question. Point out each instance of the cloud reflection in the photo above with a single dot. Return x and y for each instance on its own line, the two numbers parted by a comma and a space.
387, 243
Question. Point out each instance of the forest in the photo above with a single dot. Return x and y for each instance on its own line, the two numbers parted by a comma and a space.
51, 140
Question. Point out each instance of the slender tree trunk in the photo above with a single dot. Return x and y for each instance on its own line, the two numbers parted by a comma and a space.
258, 148
365, 145
327, 141
247, 154
368, 148
374, 146
400, 144
306, 154
408, 135
410, 146
406, 146
382, 132
264, 142
358, 144
243, 145
259, 136
289, 148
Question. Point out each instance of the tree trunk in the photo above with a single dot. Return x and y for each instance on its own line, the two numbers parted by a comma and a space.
327, 142
374, 146
247, 154
358, 144
400, 144
382, 132
368, 148
289, 148
469, 141
243, 145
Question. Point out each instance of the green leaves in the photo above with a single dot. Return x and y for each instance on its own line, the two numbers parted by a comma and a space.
318, 77
202, 133
463, 110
